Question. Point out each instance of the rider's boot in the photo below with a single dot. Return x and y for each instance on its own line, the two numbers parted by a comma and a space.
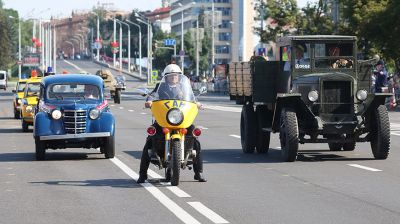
200, 177
198, 163
168, 175
144, 165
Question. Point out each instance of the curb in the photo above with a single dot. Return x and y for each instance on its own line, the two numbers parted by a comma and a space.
125, 72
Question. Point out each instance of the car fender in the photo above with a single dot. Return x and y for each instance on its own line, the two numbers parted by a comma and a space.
44, 125
105, 123
293, 101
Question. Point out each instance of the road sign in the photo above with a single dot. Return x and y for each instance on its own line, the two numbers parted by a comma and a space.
169, 42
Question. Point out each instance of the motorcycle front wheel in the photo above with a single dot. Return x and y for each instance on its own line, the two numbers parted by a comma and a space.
176, 162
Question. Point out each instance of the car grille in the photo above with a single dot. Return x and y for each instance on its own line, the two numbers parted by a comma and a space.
336, 97
75, 121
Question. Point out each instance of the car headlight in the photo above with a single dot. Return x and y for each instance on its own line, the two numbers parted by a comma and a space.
19, 101
94, 114
174, 116
362, 94
28, 109
56, 114
313, 96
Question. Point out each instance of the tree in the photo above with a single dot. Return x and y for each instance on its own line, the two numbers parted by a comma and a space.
314, 19
5, 48
283, 14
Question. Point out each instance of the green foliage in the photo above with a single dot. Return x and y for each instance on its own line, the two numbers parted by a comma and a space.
314, 20
282, 12
5, 48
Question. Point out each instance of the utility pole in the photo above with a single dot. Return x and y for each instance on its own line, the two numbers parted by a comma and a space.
120, 46
115, 37
212, 40
182, 53
55, 50
140, 46
197, 47
98, 38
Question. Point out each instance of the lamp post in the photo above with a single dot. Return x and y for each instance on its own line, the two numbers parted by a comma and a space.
140, 46
149, 51
120, 43
212, 41
182, 53
129, 44
115, 36
98, 36
19, 47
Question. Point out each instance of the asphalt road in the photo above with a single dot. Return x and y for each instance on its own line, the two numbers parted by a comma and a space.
80, 186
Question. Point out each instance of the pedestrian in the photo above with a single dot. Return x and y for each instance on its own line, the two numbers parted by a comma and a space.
381, 77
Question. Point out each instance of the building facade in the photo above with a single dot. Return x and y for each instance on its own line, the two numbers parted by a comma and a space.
233, 25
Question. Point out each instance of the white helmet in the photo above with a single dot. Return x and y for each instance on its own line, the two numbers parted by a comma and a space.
172, 68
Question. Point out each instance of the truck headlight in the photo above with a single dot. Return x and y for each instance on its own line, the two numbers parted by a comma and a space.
174, 116
28, 109
94, 114
313, 96
362, 94
56, 114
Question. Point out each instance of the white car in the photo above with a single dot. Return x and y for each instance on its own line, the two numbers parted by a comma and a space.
3, 80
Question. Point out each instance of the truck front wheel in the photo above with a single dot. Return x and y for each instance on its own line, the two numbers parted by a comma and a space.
380, 133
289, 135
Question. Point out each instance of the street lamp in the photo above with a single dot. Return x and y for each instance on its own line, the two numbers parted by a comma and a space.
19, 46
98, 36
182, 39
140, 45
120, 43
149, 45
129, 44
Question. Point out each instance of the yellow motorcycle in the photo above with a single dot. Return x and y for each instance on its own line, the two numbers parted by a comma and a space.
172, 141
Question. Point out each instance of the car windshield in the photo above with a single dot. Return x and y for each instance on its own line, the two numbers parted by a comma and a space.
175, 86
73, 91
21, 86
33, 89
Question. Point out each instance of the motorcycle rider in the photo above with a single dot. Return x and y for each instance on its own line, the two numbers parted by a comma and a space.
171, 89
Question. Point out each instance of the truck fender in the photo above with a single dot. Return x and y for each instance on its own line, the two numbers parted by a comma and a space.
293, 101
107, 123
44, 125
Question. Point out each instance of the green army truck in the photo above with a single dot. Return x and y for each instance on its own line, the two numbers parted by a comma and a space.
317, 91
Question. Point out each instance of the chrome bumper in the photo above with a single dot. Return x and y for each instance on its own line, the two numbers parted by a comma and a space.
72, 136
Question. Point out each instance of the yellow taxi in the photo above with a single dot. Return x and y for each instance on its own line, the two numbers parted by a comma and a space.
18, 95
29, 101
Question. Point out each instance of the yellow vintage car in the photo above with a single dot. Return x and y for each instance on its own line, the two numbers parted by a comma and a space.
29, 101
18, 95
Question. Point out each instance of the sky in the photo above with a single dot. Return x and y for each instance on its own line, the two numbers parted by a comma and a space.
62, 8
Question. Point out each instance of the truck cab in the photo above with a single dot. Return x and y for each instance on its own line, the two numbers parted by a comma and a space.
317, 91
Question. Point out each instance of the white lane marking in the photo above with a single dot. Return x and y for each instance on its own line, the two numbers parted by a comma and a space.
178, 192
80, 70
161, 197
143, 113
131, 110
202, 127
364, 167
222, 108
395, 133
235, 136
121, 108
153, 174
210, 214
112, 105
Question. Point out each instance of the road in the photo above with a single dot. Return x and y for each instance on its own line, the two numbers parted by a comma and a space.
80, 186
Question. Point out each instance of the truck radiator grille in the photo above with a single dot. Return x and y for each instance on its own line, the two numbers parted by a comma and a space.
337, 97
75, 121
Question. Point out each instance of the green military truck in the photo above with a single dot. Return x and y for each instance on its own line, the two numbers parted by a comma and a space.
317, 91
113, 84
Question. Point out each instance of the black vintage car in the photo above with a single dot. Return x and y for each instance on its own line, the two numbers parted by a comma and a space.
316, 92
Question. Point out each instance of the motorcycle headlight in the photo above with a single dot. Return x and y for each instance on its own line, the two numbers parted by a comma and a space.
313, 96
56, 114
19, 101
94, 114
362, 94
174, 116
29, 109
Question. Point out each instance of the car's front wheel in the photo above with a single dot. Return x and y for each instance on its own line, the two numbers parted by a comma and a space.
40, 149
109, 147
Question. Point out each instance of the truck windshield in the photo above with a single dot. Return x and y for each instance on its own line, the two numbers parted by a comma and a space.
32, 89
334, 55
73, 91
